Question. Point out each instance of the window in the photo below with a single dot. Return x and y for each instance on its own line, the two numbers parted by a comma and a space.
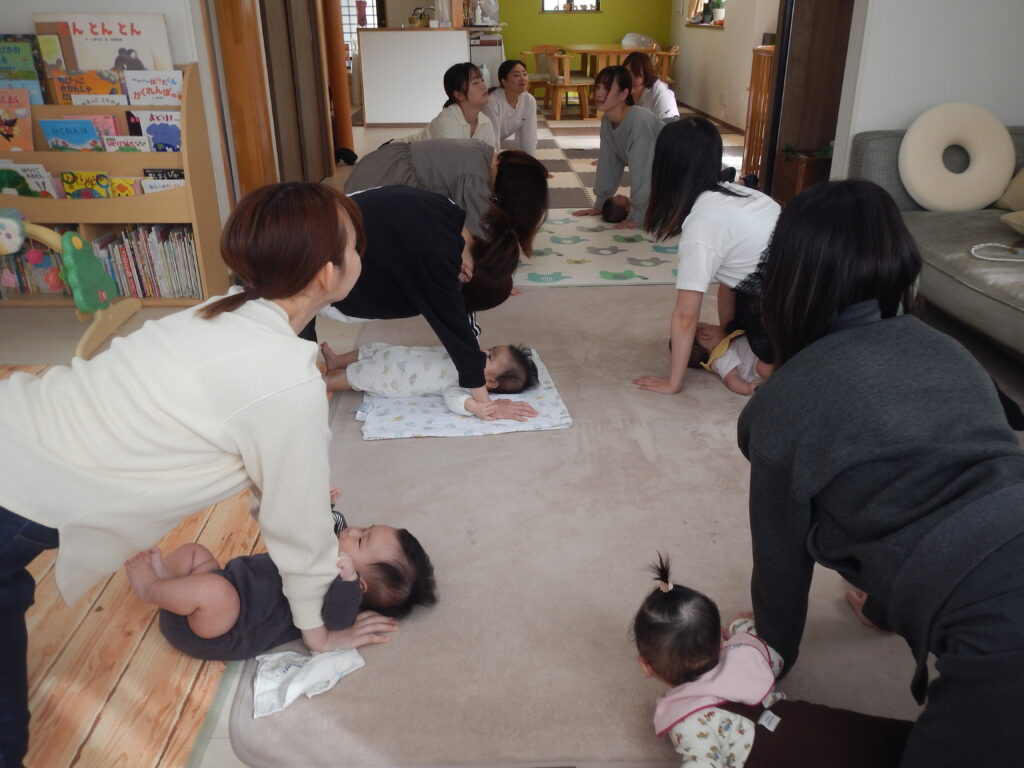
355, 14
575, 6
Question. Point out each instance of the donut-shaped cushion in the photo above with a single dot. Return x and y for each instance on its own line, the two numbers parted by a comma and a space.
988, 143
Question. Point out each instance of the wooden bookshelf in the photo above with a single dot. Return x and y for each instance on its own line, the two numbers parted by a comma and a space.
196, 203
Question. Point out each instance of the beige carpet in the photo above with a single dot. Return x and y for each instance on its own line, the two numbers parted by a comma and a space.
540, 541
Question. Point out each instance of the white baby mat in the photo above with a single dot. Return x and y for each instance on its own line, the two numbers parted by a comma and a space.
427, 415
540, 543
585, 250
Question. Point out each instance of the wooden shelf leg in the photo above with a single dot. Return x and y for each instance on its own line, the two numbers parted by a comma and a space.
105, 323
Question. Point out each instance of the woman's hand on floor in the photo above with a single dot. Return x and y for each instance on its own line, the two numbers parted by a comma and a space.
587, 212
626, 224
516, 410
660, 384
370, 628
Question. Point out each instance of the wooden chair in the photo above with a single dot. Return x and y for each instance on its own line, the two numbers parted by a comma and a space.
540, 78
663, 63
564, 80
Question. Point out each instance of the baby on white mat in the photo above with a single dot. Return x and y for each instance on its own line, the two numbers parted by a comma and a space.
394, 371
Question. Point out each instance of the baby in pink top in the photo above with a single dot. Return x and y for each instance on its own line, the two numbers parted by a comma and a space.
723, 707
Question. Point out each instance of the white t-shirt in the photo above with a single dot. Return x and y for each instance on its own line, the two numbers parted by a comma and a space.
723, 237
450, 123
738, 355
521, 121
661, 100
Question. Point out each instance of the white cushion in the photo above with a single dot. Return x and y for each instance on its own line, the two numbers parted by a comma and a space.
988, 143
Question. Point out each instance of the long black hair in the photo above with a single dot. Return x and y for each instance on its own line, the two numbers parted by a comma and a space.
835, 244
677, 629
456, 80
687, 163
503, 69
518, 206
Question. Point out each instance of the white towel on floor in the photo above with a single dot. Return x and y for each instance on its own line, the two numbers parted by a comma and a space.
282, 677
427, 416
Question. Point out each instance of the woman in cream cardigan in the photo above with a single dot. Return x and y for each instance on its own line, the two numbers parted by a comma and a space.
105, 456
462, 115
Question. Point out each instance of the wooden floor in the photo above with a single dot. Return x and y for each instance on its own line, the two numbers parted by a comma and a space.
105, 689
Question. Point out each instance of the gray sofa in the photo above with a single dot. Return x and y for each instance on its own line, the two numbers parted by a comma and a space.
986, 295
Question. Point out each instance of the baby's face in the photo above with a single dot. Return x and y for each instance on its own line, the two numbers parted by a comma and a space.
709, 336
498, 361
375, 544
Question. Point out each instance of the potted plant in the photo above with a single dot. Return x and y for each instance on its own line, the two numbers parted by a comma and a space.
717, 10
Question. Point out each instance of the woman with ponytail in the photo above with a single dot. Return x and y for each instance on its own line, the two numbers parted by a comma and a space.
466, 171
462, 115
420, 260
106, 456
723, 709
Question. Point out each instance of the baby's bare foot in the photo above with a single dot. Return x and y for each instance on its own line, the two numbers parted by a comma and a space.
856, 598
140, 572
156, 559
332, 358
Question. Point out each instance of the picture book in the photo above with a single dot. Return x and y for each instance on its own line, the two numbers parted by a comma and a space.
153, 88
96, 81
163, 173
27, 179
85, 184
55, 47
30, 84
126, 144
15, 120
116, 40
20, 57
71, 135
159, 185
98, 99
162, 127
125, 186
106, 125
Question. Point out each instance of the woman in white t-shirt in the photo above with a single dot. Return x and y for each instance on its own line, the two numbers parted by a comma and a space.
648, 90
723, 228
462, 115
511, 109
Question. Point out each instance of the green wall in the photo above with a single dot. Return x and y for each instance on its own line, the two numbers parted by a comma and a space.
528, 27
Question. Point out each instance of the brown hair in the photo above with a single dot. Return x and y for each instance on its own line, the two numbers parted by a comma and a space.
278, 238
640, 65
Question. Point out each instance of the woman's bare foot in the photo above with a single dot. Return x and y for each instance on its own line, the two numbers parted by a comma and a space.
141, 573
856, 598
334, 360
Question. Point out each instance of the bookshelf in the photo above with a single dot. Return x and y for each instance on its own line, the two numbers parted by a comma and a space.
195, 203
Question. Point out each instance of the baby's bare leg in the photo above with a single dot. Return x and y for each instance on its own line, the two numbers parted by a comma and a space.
337, 381
334, 360
187, 559
764, 370
208, 599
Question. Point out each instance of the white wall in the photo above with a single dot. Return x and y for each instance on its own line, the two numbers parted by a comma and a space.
187, 39
713, 65
908, 55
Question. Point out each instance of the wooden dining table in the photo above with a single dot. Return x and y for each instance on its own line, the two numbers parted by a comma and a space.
596, 56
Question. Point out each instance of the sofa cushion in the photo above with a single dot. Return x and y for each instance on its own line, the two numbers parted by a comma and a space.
1013, 198
873, 156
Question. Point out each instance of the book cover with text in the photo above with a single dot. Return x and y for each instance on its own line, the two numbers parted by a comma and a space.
153, 88
94, 81
116, 40
162, 127
125, 186
71, 135
106, 125
85, 184
15, 120
54, 41
127, 144
30, 179
30, 84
